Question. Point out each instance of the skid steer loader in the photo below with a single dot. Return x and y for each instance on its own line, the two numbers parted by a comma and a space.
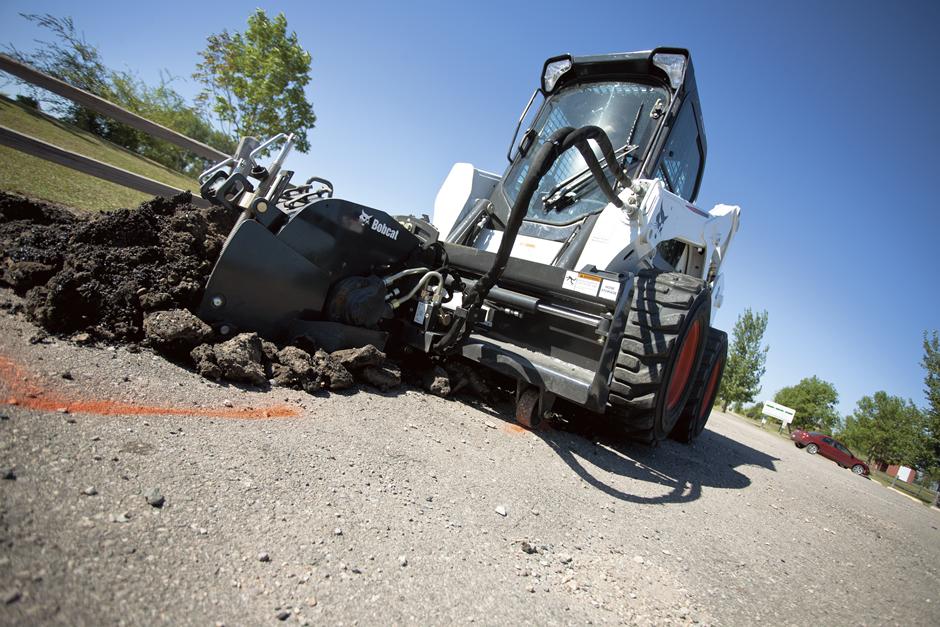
584, 272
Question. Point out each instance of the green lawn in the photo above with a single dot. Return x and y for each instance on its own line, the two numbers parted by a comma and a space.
918, 492
39, 178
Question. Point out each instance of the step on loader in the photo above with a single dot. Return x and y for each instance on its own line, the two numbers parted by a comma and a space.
585, 272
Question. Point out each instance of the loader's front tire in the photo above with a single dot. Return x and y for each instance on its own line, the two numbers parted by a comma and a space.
660, 352
704, 388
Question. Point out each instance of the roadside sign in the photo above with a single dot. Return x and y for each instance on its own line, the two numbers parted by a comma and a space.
780, 412
904, 473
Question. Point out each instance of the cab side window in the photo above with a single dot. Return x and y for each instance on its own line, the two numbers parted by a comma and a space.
682, 155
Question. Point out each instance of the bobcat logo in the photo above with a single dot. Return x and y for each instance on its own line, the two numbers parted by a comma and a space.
364, 218
659, 221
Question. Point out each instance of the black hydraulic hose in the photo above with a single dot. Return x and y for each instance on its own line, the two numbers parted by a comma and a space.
546, 155
578, 139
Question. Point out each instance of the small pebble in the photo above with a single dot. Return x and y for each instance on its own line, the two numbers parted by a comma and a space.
501, 510
11, 596
264, 557
402, 561
229, 403
282, 615
337, 532
154, 497
90, 491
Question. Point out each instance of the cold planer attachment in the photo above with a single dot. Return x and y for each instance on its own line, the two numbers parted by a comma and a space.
314, 273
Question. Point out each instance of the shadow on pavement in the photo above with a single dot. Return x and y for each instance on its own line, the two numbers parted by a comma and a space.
712, 461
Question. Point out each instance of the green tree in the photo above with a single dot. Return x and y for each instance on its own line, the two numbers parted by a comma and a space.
254, 81
815, 403
931, 364
747, 359
887, 428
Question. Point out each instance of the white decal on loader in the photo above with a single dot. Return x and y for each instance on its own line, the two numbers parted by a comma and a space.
387, 231
582, 283
364, 218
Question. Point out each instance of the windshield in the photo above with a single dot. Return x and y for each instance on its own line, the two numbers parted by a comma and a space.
613, 106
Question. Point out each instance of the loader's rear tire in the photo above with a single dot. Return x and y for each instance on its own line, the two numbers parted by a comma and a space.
704, 388
660, 352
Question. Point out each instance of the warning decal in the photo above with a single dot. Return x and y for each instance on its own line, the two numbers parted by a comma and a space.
581, 283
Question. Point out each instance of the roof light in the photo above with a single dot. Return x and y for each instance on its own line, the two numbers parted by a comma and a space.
554, 69
673, 65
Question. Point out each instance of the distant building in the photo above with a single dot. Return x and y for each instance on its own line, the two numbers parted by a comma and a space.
892, 470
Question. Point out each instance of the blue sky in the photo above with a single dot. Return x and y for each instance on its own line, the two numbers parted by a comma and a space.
821, 122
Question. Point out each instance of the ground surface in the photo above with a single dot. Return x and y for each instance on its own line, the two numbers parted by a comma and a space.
375, 509
37, 178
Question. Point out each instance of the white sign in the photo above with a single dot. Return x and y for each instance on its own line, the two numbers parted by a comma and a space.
780, 412
904, 473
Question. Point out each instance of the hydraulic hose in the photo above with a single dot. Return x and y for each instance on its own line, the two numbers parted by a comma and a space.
545, 156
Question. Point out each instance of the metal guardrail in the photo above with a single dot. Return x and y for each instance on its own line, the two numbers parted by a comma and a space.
87, 165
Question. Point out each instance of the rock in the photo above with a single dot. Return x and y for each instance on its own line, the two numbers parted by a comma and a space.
154, 497
463, 376
312, 601
150, 301
228, 403
269, 349
175, 333
638, 559
564, 558
358, 358
67, 376
436, 381
120, 518
81, 338
501, 510
9, 474
386, 377
90, 491
337, 532
294, 367
332, 372
11, 596
204, 359
264, 557
241, 359
402, 561
528, 547
282, 614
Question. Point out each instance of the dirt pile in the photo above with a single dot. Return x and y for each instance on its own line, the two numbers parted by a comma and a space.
101, 275
134, 276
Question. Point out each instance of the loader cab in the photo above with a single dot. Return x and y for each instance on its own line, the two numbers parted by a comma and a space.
647, 103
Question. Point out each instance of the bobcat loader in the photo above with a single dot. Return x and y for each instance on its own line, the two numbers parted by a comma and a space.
585, 272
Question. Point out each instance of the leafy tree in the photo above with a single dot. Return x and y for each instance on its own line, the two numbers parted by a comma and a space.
886, 427
931, 364
72, 59
814, 401
747, 359
254, 81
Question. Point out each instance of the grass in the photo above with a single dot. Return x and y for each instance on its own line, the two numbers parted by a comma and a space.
921, 493
38, 178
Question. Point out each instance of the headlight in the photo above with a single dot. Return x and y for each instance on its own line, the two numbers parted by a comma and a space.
673, 65
554, 68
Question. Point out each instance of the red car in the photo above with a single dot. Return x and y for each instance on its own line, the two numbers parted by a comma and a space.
827, 446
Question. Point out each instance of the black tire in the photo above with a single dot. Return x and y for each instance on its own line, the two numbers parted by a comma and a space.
812, 448
698, 408
798, 445
668, 309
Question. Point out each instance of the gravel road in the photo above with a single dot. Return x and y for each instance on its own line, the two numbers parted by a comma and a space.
407, 508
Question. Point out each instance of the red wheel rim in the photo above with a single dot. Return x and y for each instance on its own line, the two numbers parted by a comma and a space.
683, 367
710, 389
